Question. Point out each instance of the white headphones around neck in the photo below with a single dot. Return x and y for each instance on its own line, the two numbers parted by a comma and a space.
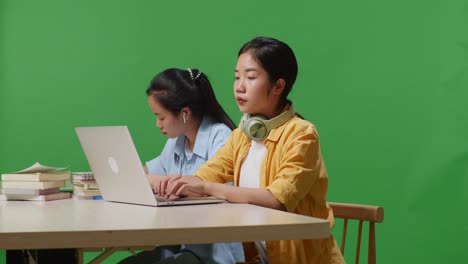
257, 127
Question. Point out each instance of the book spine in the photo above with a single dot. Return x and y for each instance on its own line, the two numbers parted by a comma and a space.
32, 185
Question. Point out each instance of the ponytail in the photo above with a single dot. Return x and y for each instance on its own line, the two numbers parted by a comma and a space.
211, 106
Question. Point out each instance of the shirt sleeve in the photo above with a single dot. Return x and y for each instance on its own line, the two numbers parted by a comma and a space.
159, 164
299, 168
218, 138
220, 168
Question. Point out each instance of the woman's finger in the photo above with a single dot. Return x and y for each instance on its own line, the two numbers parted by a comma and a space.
190, 190
156, 187
174, 186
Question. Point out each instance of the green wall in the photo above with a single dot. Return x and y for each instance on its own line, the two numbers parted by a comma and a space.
386, 83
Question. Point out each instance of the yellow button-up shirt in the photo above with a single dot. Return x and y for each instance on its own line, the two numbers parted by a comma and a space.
294, 172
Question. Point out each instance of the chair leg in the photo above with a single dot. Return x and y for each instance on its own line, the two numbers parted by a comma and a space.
358, 246
343, 236
372, 259
105, 254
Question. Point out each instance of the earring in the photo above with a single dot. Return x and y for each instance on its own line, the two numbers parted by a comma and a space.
184, 118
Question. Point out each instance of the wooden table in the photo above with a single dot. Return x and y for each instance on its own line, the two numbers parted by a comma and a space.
75, 223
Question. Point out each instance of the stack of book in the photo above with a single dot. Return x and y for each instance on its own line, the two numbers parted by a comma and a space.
36, 183
85, 186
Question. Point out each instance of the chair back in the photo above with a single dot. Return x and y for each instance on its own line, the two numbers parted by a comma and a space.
361, 213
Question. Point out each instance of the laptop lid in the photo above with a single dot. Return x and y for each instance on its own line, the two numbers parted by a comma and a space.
117, 168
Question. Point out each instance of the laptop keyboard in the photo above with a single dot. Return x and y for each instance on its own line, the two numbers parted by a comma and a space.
160, 199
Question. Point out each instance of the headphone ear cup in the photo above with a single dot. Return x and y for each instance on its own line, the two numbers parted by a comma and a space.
243, 123
254, 127
258, 127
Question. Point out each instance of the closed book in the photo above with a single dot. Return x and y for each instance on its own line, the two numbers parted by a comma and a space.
75, 181
37, 176
88, 185
82, 175
31, 191
32, 185
44, 197
78, 191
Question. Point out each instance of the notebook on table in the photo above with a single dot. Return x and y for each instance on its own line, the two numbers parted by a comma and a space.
117, 168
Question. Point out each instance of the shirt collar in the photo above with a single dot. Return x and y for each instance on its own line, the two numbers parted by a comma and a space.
201, 140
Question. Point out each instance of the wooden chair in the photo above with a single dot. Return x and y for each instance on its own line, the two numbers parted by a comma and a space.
362, 213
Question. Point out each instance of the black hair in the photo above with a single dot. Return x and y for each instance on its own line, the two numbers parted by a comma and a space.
278, 60
175, 89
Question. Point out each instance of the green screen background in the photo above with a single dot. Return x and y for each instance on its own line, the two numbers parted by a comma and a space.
386, 83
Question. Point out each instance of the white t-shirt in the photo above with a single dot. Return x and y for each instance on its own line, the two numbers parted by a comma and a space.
250, 170
250, 178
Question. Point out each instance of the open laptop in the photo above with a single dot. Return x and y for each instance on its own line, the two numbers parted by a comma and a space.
117, 168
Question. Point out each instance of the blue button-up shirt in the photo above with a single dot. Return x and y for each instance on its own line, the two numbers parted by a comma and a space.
173, 161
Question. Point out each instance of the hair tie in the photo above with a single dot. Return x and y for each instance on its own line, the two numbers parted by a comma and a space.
191, 74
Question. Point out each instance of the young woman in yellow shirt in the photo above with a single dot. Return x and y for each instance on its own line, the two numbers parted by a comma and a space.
274, 157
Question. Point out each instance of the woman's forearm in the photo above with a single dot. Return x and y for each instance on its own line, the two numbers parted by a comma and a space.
261, 197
